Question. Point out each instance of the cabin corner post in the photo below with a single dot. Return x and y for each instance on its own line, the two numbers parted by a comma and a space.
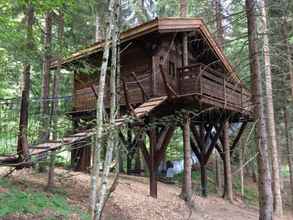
155, 72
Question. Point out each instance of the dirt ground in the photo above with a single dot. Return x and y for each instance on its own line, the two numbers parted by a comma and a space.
130, 200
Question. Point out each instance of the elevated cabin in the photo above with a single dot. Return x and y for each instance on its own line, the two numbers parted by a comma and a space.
152, 66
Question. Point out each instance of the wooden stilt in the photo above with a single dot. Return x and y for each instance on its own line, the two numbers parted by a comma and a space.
152, 168
129, 148
187, 191
204, 185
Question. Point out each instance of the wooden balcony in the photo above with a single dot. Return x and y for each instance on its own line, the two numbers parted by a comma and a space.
213, 88
85, 99
210, 86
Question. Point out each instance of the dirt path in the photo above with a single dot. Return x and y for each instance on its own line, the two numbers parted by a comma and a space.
130, 200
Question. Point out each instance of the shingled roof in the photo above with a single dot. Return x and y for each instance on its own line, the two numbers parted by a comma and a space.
162, 25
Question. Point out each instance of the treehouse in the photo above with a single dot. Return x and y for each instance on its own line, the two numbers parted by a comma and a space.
160, 75
152, 67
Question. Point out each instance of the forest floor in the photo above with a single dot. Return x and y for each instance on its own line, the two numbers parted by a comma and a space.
130, 200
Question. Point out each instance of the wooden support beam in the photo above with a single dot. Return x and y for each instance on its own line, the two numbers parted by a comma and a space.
161, 151
144, 94
152, 170
203, 179
169, 90
94, 91
196, 136
187, 186
145, 154
193, 144
237, 138
219, 130
126, 96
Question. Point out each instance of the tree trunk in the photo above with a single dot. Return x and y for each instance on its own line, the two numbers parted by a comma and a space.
286, 121
153, 170
241, 156
219, 173
183, 13
183, 8
187, 161
221, 40
265, 182
219, 22
270, 117
203, 180
227, 153
289, 152
112, 33
100, 111
51, 173
57, 76
45, 131
22, 144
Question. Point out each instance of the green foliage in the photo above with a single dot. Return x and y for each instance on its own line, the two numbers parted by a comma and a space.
250, 192
175, 147
16, 200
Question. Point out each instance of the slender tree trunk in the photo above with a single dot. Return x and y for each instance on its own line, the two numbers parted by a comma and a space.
288, 50
221, 40
265, 182
45, 132
51, 173
187, 161
57, 77
286, 121
241, 156
270, 117
289, 152
54, 106
219, 22
187, 148
98, 32
110, 34
22, 146
183, 8
227, 153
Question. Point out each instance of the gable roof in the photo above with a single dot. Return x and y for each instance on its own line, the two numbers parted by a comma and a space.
162, 25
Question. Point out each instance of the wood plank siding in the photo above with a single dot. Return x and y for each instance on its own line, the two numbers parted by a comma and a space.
151, 66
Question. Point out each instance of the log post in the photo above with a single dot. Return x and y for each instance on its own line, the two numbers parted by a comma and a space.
204, 185
227, 164
187, 191
152, 168
129, 148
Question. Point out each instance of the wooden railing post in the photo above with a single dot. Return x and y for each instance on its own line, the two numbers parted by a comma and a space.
224, 85
200, 80
242, 108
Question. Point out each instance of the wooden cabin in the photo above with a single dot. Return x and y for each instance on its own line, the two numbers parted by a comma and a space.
152, 66
155, 82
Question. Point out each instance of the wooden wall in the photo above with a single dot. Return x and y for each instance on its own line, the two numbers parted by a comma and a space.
134, 61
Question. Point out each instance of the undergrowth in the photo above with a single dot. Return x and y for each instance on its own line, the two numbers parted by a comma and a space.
15, 200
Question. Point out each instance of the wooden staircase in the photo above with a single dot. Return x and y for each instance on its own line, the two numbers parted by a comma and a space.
148, 106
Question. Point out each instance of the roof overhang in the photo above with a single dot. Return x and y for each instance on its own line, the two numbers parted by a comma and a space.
162, 25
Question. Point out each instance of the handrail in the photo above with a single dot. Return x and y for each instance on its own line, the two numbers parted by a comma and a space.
207, 73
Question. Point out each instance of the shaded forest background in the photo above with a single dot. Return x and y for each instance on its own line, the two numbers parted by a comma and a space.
80, 22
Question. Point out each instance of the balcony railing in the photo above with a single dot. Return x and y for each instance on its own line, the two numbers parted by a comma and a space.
136, 89
212, 85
